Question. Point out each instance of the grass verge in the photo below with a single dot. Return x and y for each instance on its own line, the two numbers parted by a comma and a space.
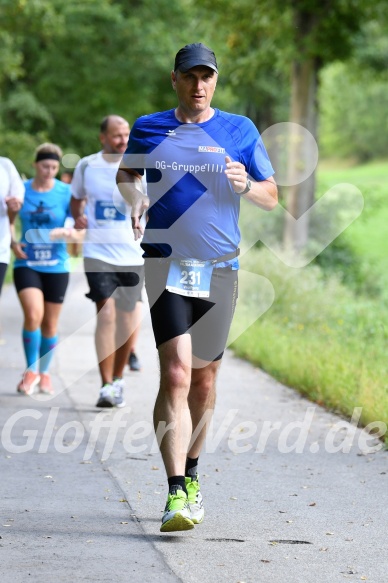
317, 337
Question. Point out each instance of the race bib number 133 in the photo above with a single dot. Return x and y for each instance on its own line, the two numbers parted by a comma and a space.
42, 254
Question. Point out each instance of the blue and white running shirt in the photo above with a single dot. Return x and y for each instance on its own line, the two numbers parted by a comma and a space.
41, 212
193, 209
109, 236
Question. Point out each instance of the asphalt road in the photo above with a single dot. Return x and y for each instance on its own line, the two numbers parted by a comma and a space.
293, 494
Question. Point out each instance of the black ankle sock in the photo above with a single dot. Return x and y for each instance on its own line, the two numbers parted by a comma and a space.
177, 482
191, 469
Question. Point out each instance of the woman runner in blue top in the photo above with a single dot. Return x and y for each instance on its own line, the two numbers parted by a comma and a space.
41, 272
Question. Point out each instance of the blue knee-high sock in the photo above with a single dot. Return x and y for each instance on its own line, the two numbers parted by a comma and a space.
31, 344
47, 346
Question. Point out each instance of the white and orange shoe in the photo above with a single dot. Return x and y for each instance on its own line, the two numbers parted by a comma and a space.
28, 383
45, 385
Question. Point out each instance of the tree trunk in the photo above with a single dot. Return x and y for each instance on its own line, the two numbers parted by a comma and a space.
300, 195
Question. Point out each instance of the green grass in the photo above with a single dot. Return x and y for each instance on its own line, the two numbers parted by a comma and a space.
341, 171
365, 238
367, 235
320, 336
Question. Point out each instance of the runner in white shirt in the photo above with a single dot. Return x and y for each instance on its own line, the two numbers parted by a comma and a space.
11, 199
113, 260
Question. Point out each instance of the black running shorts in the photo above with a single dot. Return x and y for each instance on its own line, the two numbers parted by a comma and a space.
123, 283
3, 270
52, 285
207, 320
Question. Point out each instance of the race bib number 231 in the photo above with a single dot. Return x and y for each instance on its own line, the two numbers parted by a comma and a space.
189, 277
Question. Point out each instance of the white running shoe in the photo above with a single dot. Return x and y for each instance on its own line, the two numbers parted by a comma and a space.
107, 396
194, 495
118, 385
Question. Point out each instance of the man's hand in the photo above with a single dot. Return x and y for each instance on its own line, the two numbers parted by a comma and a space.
130, 187
236, 173
81, 222
263, 194
14, 204
139, 206
68, 234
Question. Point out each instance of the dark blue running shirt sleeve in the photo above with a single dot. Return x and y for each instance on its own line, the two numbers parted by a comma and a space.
249, 145
137, 147
193, 208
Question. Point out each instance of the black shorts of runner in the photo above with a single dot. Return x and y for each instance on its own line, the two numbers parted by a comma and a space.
207, 320
123, 283
3, 270
52, 285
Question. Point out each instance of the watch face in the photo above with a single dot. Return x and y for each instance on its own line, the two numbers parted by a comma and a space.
247, 188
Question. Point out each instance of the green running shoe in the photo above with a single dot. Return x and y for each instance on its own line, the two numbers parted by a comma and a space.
197, 511
177, 513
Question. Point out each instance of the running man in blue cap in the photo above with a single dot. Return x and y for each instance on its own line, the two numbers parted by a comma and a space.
199, 162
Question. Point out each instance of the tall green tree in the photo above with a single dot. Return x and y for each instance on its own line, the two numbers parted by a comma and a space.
23, 119
69, 63
321, 33
354, 99
274, 39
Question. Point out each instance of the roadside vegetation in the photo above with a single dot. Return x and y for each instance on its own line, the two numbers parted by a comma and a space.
326, 333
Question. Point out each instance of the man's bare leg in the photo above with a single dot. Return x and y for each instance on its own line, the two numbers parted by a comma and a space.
171, 406
126, 325
136, 322
173, 427
105, 338
201, 400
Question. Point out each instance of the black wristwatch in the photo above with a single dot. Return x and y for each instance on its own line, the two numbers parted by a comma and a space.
247, 188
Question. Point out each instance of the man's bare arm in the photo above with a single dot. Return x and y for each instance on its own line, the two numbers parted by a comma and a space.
263, 194
77, 207
129, 184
